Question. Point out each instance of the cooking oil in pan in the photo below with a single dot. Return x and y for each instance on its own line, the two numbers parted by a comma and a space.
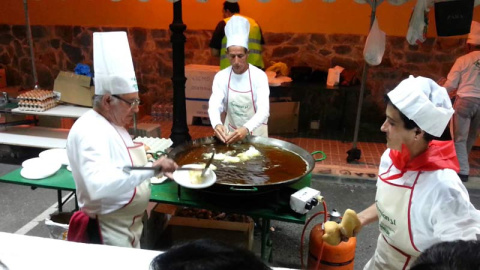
274, 165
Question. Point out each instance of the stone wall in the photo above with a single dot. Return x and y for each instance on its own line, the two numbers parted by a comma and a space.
59, 48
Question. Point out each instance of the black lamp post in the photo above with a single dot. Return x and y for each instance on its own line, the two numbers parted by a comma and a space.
179, 133
354, 154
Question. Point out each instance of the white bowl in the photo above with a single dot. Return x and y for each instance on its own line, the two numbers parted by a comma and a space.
183, 177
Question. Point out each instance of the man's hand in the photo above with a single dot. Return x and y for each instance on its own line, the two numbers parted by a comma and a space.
220, 132
168, 166
237, 135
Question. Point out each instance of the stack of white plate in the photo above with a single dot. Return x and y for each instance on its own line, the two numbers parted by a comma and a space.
56, 155
48, 163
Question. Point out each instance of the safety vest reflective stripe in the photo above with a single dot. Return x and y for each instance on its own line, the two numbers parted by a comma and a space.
254, 46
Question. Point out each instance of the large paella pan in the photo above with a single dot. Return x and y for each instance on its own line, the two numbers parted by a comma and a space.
278, 163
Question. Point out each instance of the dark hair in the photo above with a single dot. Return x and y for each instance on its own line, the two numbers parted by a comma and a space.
232, 7
207, 254
456, 255
408, 123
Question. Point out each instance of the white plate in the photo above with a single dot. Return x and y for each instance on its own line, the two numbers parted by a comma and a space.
40, 169
57, 154
183, 177
31, 162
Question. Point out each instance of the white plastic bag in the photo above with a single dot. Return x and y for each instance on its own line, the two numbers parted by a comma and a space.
57, 225
416, 26
375, 45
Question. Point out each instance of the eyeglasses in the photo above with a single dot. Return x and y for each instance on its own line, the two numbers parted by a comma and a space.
132, 104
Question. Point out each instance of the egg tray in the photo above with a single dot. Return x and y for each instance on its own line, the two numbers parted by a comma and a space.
36, 106
158, 146
36, 95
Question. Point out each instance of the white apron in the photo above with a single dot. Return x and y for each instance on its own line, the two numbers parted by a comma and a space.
395, 247
124, 226
241, 108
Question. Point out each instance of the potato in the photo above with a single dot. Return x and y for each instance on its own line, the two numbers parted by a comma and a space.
196, 177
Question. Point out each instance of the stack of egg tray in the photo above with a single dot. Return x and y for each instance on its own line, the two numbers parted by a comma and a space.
36, 100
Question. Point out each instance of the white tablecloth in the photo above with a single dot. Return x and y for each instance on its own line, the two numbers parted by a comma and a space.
28, 252
21, 252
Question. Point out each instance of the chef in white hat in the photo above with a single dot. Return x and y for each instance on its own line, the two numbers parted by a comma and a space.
112, 201
464, 77
420, 200
241, 90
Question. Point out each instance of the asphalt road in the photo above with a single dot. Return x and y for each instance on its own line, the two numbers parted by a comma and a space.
24, 210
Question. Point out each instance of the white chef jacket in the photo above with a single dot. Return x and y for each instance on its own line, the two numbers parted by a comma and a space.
465, 75
440, 206
241, 82
97, 152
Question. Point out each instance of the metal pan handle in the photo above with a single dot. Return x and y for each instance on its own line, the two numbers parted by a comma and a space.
252, 189
324, 156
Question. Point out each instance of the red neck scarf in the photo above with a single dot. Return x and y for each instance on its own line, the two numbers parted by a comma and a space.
439, 155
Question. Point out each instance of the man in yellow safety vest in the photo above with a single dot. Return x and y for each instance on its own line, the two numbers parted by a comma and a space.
219, 40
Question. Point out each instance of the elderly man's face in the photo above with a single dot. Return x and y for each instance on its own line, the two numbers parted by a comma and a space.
395, 130
123, 107
238, 59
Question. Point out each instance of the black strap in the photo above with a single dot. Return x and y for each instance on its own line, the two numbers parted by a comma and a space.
93, 230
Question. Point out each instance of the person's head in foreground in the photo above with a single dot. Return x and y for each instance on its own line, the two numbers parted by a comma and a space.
205, 254
456, 255
418, 110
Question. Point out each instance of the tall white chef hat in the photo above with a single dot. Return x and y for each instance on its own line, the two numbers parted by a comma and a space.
112, 61
474, 35
237, 31
425, 102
